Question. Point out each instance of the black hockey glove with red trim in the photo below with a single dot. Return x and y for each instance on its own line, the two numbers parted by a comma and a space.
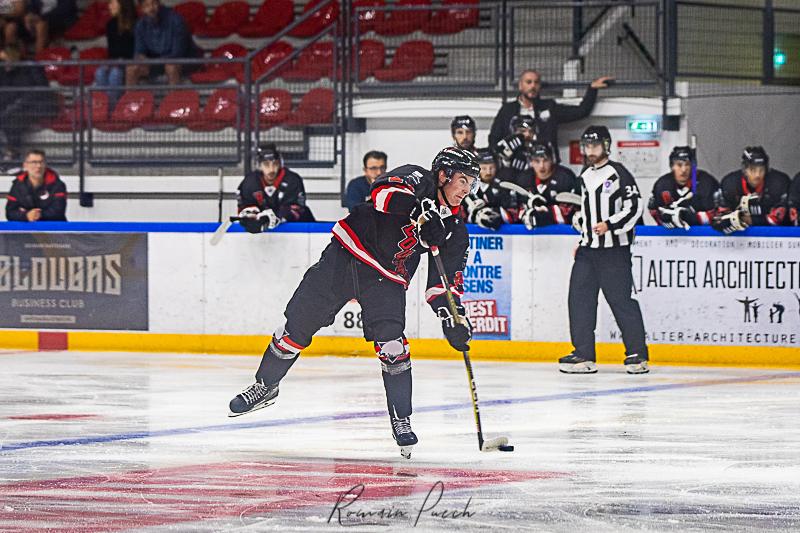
458, 330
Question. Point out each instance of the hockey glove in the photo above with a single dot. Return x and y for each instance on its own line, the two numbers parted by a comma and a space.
751, 203
509, 145
458, 330
675, 217
431, 231
729, 223
529, 218
577, 221
250, 221
794, 216
473, 205
488, 218
536, 202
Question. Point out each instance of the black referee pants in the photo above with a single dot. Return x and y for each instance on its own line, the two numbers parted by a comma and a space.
609, 270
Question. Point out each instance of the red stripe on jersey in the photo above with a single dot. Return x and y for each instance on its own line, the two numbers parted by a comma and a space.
347, 238
12, 198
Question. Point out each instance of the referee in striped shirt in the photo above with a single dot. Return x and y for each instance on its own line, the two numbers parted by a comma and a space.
611, 207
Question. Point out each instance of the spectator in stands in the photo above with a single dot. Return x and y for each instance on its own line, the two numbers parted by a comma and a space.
272, 194
685, 196
21, 108
794, 201
545, 181
12, 12
42, 18
37, 192
547, 113
120, 42
160, 33
755, 195
463, 130
358, 188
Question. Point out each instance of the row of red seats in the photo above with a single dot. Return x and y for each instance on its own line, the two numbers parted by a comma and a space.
411, 59
182, 108
274, 15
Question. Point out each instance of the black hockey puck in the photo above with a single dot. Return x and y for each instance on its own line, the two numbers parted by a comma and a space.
507, 448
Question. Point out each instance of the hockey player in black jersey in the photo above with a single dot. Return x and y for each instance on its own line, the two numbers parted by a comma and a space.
488, 206
685, 196
511, 151
756, 195
794, 201
372, 257
545, 179
272, 194
463, 130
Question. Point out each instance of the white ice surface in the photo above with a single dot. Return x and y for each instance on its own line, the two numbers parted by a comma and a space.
111, 442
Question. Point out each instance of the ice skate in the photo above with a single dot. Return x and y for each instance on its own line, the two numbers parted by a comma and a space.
403, 435
255, 397
573, 364
636, 364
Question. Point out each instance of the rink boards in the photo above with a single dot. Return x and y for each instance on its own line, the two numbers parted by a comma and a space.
163, 287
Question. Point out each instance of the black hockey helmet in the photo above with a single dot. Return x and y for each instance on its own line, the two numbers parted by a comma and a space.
681, 153
268, 152
452, 160
522, 121
597, 135
463, 121
540, 150
485, 155
755, 156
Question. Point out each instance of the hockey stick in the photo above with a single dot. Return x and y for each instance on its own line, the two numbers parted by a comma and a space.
498, 443
562, 197
221, 231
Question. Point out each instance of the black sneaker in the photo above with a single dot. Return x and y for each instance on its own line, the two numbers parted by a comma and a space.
573, 364
403, 435
636, 364
255, 397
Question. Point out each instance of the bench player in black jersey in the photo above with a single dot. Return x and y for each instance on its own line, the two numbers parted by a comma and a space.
686, 195
372, 257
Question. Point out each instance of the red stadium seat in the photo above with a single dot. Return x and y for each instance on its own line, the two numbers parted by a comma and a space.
369, 19
274, 106
65, 120
219, 72
319, 20
133, 109
70, 74
226, 19
91, 24
411, 59
267, 58
220, 111
180, 107
51, 57
453, 20
194, 15
271, 17
403, 22
313, 63
371, 57
316, 107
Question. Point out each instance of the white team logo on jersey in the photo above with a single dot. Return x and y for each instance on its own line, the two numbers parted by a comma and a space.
44, 196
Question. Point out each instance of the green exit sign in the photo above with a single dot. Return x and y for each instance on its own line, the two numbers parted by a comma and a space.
645, 125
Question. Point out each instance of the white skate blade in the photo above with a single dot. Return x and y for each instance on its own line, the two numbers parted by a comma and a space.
405, 451
231, 414
492, 444
638, 368
587, 367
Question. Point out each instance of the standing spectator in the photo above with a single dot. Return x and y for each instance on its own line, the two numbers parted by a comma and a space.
488, 206
685, 196
547, 113
611, 205
272, 194
358, 189
42, 19
120, 42
160, 33
463, 130
756, 195
37, 193
21, 108
545, 180
794, 201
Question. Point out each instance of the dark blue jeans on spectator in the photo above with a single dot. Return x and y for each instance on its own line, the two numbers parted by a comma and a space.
112, 77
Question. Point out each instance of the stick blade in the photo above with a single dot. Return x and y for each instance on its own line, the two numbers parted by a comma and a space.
221, 231
493, 444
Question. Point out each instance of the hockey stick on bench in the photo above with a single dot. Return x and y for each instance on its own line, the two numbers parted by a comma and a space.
562, 197
498, 443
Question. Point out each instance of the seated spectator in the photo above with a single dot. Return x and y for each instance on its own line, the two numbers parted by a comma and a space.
42, 19
756, 195
463, 130
21, 108
119, 39
685, 196
512, 149
272, 194
487, 206
37, 193
794, 201
545, 180
160, 33
358, 189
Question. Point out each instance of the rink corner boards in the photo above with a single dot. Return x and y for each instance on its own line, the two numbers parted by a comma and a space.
482, 350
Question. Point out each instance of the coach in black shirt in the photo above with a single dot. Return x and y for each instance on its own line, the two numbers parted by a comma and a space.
611, 206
